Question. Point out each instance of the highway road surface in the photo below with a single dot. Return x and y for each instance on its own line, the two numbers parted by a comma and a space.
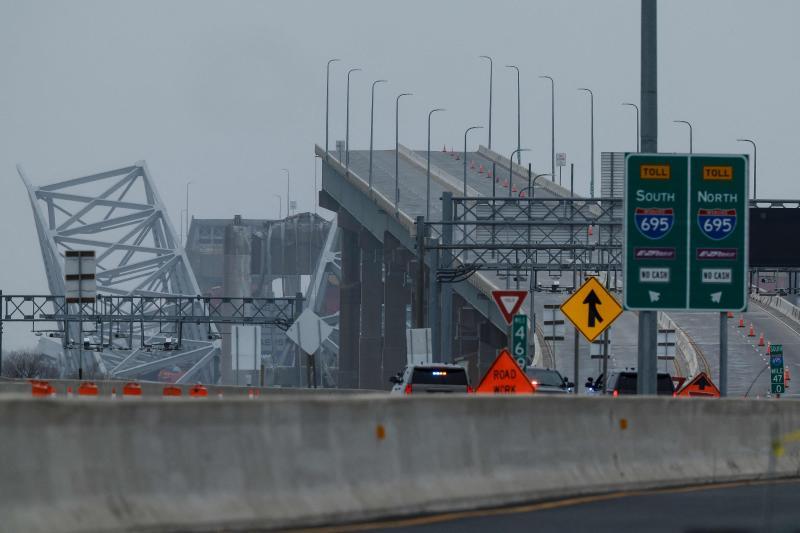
731, 508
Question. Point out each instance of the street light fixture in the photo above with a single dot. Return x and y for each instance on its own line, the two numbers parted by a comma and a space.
636, 107
591, 126
691, 144
755, 164
371, 128
552, 126
397, 151
518, 151
347, 124
532, 185
187, 213
428, 172
519, 138
327, 101
465, 154
288, 204
316, 189
491, 82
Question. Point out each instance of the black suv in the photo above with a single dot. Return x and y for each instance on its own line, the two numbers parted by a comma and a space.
624, 382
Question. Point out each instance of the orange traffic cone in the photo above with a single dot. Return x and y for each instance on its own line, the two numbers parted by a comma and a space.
513, 188
505, 184
741, 322
472, 165
761, 340
769, 348
752, 332
480, 170
591, 231
730, 314
522, 194
489, 174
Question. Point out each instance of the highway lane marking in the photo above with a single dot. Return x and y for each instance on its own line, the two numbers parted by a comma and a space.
527, 508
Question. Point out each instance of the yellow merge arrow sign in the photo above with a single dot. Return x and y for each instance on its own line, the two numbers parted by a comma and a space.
591, 308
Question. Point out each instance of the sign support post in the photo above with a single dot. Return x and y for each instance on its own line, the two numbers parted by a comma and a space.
576, 345
723, 354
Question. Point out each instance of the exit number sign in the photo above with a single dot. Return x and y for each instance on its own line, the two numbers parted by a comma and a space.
685, 232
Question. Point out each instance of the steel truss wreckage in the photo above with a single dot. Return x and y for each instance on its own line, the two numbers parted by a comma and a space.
143, 274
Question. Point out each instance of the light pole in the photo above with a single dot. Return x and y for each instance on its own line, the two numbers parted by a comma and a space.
288, 205
691, 144
491, 82
591, 126
347, 123
465, 154
518, 151
755, 164
327, 100
397, 151
280, 206
519, 137
532, 274
316, 189
552, 126
371, 128
636, 107
187, 211
428, 172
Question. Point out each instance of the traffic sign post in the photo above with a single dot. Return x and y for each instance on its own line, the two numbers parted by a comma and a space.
591, 308
685, 232
777, 384
519, 343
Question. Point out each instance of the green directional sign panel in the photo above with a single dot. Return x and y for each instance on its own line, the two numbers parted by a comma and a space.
685, 232
656, 236
519, 345
776, 370
717, 236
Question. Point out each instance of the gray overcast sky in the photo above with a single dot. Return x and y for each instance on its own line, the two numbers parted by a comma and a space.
228, 93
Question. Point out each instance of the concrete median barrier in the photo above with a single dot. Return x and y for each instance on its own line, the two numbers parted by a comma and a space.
183, 464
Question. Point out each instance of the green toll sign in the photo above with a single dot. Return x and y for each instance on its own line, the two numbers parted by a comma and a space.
685, 232
519, 345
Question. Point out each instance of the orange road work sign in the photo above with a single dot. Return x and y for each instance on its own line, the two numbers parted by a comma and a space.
505, 377
700, 386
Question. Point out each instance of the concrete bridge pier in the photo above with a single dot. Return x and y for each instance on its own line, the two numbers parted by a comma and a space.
350, 301
397, 297
371, 340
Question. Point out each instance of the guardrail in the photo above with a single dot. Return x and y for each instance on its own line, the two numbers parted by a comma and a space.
684, 347
286, 462
780, 304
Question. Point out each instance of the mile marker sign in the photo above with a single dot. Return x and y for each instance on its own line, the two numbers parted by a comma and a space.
509, 303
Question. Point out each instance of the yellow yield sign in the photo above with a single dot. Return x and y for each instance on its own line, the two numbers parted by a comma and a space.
591, 308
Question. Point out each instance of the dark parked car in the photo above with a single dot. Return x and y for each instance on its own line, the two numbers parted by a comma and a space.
549, 381
624, 382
